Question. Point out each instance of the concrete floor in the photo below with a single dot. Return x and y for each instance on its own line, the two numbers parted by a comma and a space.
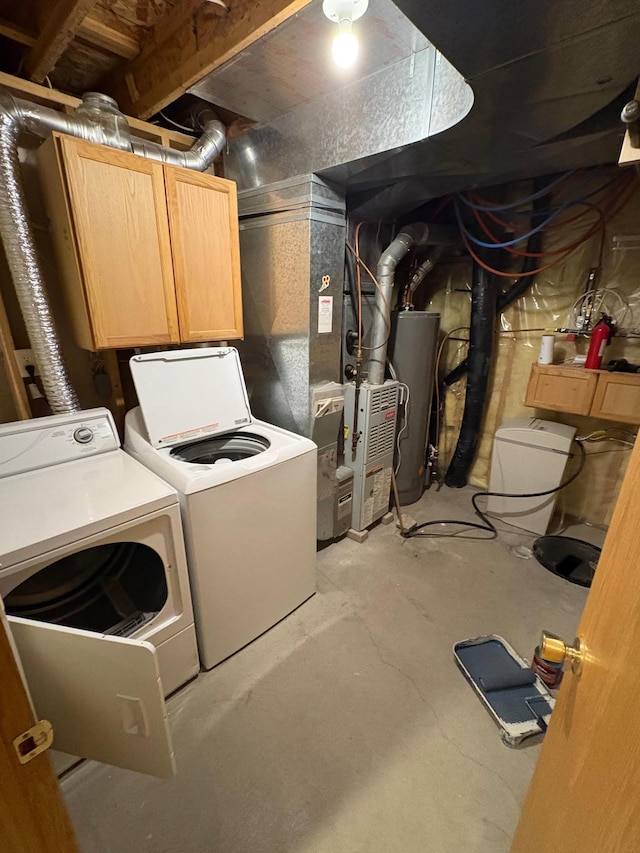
347, 728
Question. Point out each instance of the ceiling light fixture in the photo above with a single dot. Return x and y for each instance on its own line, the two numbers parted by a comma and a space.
344, 13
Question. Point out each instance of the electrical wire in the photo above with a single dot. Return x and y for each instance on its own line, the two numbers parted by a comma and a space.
610, 450
487, 524
404, 425
177, 124
521, 331
359, 286
396, 498
436, 383
599, 434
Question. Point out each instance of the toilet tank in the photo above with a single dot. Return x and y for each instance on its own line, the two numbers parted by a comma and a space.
529, 455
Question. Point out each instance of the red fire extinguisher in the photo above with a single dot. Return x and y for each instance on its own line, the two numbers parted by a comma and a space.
600, 337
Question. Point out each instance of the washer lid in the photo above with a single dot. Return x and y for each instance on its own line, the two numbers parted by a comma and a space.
190, 394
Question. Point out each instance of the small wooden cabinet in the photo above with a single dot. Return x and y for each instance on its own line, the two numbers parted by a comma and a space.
596, 393
617, 397
148, 253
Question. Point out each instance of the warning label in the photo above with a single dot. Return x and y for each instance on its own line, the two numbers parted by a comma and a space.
377, 491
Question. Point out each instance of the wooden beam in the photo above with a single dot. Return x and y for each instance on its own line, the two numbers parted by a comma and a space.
182, 51
91, 30
99, 34
14, 380
60, 28
36, 92
15, 33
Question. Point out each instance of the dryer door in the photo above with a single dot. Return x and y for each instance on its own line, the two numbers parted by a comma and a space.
102, 694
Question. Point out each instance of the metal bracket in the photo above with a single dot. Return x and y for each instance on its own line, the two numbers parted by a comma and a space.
35, 740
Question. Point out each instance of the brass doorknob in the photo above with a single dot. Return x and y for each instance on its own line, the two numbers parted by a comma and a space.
555, 650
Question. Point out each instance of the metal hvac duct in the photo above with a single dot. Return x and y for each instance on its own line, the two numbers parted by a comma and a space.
98, 120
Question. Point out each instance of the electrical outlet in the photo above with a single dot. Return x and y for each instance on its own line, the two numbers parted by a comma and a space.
23, 358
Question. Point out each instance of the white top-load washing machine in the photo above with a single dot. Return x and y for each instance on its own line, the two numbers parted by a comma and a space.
93, 573
247, 491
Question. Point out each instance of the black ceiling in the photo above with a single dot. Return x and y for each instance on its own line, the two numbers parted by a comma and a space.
549, 78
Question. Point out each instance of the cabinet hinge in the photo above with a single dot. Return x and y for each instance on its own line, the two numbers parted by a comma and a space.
35, 740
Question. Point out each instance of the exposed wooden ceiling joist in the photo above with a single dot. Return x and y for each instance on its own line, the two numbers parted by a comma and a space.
91, 30
15, 33
61, 27
181, 50
101, 35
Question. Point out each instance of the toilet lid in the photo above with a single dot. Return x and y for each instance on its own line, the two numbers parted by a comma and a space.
190, 394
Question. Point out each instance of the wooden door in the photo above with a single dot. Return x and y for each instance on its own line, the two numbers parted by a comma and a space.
118, 209
203, 217
586, 786
32, 813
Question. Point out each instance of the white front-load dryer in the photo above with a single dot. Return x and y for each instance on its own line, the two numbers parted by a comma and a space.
247, 491
92, 540
93, 576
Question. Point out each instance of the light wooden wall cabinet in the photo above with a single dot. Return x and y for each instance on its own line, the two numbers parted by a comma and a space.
596, 393
148, 253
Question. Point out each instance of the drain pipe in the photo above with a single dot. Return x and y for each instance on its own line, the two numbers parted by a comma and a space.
417, 234
17, 115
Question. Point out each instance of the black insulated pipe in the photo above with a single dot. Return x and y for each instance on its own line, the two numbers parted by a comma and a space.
484, 298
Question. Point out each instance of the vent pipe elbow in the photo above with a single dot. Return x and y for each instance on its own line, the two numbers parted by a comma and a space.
416, 234
198, 158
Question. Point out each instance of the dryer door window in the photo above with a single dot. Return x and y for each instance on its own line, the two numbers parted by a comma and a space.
112, 589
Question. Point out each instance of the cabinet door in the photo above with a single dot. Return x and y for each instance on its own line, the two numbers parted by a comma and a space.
118, 209
203, 217
102, 695
617, 398
561, 389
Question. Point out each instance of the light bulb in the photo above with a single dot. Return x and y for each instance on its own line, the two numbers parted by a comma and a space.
345, 50
345, 46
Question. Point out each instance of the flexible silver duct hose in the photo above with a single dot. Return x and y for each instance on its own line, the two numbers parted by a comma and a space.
19, 247
17, 115
199, 157
424, 269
